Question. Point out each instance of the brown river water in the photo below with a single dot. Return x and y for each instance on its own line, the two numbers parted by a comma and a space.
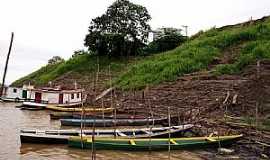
12, 120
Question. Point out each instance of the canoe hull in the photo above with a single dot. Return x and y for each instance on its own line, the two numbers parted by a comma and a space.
61, 136
77, 109
150, 144
30, 138
109, 122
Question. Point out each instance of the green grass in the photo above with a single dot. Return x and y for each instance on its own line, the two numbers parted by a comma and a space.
82, 64
252, 52
197, 54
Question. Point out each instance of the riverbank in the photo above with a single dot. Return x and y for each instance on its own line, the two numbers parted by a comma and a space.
223, 104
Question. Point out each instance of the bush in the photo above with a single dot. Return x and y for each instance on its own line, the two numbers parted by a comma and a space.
165, 43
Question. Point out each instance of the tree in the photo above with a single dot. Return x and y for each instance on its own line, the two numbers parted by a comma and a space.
55, 60
80, 52
122, 30
165, 39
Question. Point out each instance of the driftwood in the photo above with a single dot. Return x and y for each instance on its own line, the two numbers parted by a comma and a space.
234, 99
227, 97
104, 93
264, 144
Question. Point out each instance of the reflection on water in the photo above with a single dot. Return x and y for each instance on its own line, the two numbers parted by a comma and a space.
12, 120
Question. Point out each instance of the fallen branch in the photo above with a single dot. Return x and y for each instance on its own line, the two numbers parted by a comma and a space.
264, 144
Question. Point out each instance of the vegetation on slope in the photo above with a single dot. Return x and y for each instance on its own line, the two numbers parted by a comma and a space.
198, 53
194, 55
83, 64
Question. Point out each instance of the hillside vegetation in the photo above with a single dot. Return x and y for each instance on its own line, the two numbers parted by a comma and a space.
82, 64
202, 50
198, 53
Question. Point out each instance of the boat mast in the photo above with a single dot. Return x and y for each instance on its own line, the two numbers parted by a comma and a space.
6, 66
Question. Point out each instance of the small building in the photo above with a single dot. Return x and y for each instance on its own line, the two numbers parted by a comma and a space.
160, 32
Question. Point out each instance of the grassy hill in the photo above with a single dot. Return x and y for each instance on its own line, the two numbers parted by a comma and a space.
84, 65
241, 44
251, 40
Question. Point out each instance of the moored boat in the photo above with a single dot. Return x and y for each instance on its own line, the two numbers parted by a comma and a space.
61, 115
62, 136
153, 143
77, 109
78, 115
111, 122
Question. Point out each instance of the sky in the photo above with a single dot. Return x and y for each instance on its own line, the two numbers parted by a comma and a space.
47, 28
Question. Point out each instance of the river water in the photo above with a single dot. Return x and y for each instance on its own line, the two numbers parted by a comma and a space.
12, 120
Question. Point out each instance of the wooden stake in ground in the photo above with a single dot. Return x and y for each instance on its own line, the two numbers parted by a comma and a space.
6, 66
258, 98
151, 127
169, 122
112, 102
82, 118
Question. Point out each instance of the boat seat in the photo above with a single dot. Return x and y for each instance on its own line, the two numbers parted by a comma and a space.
40, 132
89, 140
132, 142
121, 134
210, 139
173, 141
148, 132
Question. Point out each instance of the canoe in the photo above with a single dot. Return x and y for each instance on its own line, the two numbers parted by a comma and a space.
111, 122
31, 108
77, 115
62, 136
65, 109
61, 115
153, 143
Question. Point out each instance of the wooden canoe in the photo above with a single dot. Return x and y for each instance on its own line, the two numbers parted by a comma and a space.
153, 143
77, 115
66, 109
62, 136
111, 122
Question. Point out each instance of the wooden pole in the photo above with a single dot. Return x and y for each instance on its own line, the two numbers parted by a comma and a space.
102, 104
259, 96
93, 140
6, 66
82, 118
151, 127
93, 131
112, 103
169, 122
178, 113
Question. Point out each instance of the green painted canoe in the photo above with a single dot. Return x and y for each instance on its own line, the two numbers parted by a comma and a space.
153, 144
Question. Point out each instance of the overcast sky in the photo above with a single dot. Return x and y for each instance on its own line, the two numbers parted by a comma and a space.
46, 28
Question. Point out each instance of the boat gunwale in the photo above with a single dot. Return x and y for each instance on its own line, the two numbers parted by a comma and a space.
165, 139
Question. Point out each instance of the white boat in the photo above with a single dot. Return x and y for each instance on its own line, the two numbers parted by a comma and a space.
44, 97
62, 136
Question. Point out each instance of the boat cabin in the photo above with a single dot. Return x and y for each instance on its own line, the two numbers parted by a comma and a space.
56, 96
16, 93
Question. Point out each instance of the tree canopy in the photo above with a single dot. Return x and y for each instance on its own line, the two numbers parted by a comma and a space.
123, 30
55, 59
165, 39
